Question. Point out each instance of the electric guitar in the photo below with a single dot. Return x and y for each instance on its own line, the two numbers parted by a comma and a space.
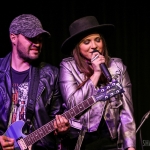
23, 142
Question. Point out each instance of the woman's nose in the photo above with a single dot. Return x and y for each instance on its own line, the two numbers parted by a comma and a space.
93, 45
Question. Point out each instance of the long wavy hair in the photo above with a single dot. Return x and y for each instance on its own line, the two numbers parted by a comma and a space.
84, 65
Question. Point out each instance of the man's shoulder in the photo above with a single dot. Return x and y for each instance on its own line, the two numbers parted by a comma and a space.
47, 65
5, 62
1, 59
49, 68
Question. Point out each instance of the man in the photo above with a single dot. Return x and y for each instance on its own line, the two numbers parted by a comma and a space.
22, 76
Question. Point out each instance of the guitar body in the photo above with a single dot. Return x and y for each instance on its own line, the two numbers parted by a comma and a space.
15, 131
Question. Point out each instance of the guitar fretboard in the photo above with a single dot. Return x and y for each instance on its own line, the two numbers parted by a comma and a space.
48, 128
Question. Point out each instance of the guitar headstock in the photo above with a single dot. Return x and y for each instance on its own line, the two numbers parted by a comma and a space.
108, 91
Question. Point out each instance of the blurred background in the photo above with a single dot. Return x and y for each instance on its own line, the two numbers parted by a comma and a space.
130, 42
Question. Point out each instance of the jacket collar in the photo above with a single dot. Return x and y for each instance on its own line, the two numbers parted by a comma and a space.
5, 62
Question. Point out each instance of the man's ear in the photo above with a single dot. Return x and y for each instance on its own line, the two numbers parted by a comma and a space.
13, 38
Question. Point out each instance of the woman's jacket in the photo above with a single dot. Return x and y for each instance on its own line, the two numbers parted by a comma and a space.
117, 112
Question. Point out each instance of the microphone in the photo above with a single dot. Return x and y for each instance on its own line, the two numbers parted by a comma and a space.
106, 72
104, 68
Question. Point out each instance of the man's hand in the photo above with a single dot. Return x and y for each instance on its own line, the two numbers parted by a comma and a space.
130, 148
6, 143
61, 124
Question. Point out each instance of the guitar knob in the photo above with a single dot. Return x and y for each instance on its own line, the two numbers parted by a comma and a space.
117, 91
102, 90
108, 87
113, 84
106, 97
111, 94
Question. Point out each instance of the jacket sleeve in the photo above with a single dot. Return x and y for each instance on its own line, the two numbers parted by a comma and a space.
56, 101
70, 79
128, 127
49, 93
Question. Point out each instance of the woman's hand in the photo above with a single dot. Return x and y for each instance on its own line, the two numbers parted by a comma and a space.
96, 60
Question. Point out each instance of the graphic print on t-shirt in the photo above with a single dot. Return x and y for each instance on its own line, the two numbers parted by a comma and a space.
19, 99
20, 81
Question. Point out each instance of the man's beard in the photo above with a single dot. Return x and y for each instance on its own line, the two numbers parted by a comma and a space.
27, 58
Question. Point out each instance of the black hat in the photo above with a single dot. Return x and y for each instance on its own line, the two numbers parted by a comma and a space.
28, 25
81, 28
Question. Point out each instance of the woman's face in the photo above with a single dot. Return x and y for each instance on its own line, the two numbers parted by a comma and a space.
90, 42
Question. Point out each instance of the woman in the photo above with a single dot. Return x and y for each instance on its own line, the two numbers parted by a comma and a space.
110, 124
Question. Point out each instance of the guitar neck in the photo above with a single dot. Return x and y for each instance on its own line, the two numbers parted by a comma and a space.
48, 128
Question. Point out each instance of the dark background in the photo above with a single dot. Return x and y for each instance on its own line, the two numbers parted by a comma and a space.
131, 40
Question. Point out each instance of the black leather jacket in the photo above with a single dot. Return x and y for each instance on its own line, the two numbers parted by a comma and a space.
48, 100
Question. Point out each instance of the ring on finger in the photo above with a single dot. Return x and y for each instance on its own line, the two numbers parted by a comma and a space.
94, 58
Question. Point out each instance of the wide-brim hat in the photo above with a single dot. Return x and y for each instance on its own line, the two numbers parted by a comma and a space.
81, 28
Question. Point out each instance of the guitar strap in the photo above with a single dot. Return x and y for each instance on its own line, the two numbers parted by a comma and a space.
33, 88
81, 136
